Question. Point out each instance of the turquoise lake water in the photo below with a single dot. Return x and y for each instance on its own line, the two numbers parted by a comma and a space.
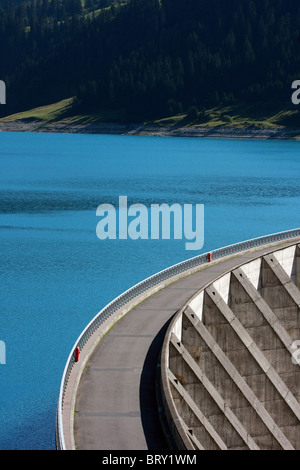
55, 274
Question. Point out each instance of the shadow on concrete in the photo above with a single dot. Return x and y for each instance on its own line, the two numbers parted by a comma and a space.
153, 431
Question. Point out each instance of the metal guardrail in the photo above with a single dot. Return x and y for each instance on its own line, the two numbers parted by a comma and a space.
141, 287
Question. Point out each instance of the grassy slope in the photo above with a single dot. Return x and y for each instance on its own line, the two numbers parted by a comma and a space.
52, 112
235, 116
60, 112
243, 116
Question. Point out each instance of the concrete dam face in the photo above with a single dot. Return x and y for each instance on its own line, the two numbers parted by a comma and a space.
230, 372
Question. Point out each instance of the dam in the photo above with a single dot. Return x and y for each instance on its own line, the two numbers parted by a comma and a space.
198, 357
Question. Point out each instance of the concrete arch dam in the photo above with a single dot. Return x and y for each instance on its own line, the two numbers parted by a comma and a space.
204, 359
230, 378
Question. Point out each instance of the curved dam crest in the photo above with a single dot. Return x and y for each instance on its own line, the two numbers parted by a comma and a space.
223, 313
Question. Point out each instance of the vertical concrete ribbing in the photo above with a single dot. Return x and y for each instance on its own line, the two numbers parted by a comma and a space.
270, 336
260, 425
230, 429
255, 368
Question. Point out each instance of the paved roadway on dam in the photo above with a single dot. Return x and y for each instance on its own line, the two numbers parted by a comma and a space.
115, 406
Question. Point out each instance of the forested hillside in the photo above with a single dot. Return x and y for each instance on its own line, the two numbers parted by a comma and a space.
148, 58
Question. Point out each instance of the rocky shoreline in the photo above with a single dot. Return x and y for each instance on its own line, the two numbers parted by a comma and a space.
253, 132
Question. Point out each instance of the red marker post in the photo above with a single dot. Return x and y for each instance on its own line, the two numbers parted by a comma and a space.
77, 351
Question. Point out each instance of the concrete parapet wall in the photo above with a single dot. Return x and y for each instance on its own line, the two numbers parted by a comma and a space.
229, 381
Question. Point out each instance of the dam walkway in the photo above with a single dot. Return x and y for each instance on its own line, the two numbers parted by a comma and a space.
109, 401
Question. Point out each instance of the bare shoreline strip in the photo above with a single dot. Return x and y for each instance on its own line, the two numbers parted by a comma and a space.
151, 130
